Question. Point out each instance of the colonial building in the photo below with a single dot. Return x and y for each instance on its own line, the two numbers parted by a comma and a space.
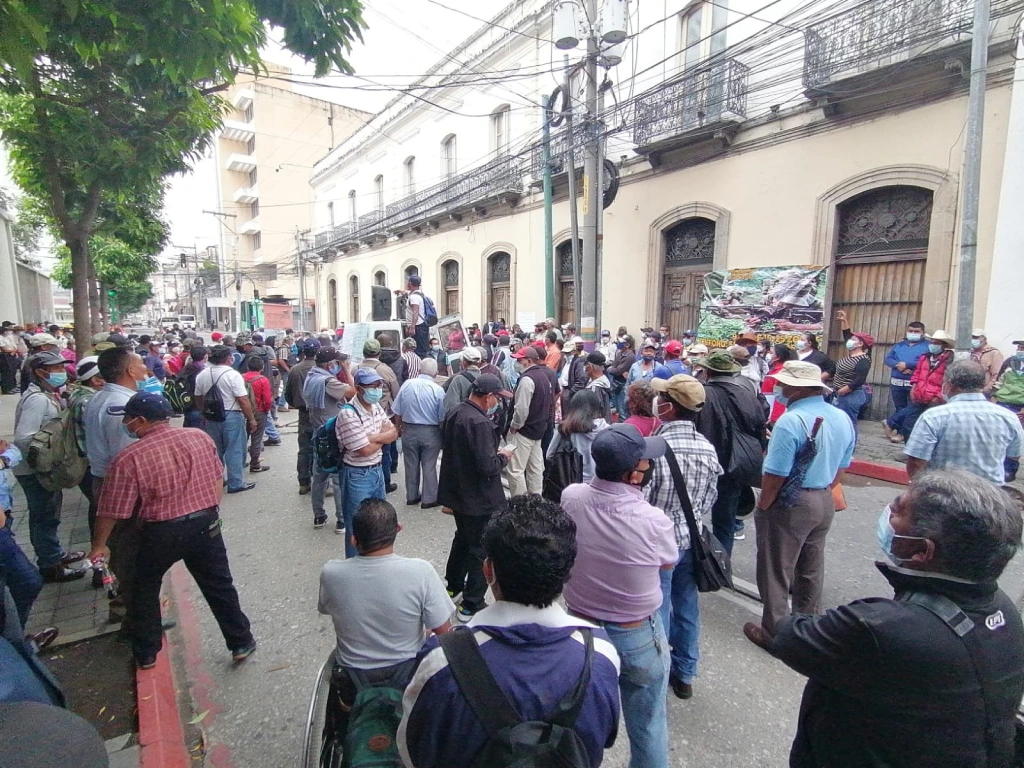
743, 134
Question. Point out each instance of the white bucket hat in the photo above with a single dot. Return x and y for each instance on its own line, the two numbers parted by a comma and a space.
797, 373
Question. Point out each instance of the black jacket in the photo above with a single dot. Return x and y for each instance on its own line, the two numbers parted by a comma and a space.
624, 360
470, 479
296, 380
732, 409
892, 685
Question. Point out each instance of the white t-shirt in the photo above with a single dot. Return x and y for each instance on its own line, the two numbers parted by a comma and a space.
229, 382
382, 607
415, 300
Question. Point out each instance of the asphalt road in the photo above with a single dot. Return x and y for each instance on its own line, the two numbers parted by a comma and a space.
743, 713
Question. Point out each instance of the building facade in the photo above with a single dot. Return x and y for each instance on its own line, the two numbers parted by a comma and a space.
742, 136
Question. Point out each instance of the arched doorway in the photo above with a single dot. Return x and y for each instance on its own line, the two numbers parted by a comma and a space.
688, 253
881, 252
450, 270
499, 285
332, 303
566, 293
353, 289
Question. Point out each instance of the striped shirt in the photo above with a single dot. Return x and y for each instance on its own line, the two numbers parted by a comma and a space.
412, 364
699, 465
354, 427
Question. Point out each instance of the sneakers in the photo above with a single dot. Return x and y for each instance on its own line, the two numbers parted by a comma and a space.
739, 536
259, 468
244, 487
455, 596
59, 573
339, 528
304, 488
319, 522
271, 443
391, 488
464, 614
243, 653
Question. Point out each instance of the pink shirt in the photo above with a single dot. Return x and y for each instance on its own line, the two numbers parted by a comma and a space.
622, 542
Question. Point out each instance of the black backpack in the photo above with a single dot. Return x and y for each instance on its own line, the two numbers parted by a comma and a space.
213, 401
564, 468
511, 741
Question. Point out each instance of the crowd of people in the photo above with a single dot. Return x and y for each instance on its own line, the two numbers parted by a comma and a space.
585, 486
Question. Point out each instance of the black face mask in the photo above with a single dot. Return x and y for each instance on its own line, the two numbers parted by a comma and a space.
648, 475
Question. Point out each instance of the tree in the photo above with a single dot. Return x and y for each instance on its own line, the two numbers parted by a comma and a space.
118, 267
103, 100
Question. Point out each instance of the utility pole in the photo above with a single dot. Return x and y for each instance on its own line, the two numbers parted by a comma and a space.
592, 203
972, 177
570, 166
302, 281
549, 256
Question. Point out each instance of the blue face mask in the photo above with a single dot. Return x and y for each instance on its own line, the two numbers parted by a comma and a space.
975, 343
373, 395
150, 384
334, 369
492, 410
57, 380
886, 535
1019, 354
127, 432
779, 397
913, 337
852, 344
935, 349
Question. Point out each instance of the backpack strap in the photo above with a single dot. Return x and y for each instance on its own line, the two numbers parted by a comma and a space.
684, 497
488, 702
569, 707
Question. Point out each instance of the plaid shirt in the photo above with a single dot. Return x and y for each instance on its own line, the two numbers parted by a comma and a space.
148, 477
969, 433
699, 464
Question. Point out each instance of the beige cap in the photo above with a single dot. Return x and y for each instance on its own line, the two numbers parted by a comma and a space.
683, 389
41, 339
797, 373
978, 332
696, 350
739, 354
944, 338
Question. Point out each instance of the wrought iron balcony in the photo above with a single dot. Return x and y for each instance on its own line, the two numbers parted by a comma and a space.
561, 145
703, 96
860, 39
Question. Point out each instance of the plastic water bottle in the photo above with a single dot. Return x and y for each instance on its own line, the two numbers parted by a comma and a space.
109, 579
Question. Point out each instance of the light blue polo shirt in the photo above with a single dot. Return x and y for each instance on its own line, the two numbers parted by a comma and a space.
835, 441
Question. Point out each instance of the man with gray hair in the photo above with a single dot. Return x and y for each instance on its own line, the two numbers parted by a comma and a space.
419, 411
412, 360
968, 431
458, 386
934, 676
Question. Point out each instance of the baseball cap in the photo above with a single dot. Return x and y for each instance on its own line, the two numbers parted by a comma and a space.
310, 345
325, 355
527, 352
100, 337
978, 332
489, 384
739, 354
117, 339
47, 357
198, 352
685, 390
366, 376
242, 339
146, 405
371, 348
619, 448
216, 336
674, 348
597, 358
472, 355
414, 279
87, 367
606, 332
698, 349
40, 339
689, 333
577, 340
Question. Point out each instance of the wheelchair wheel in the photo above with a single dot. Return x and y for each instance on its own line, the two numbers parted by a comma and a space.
315, 741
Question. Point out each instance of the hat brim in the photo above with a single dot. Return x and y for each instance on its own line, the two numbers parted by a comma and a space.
654, 447
703, 363
378, 378
1018, 341
793, 381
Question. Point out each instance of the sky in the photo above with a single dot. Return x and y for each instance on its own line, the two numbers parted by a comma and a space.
405, 38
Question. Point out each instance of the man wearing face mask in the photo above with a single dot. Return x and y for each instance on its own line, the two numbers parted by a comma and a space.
902, 359
1010, 395
41, 401
618, 532
534, 414
470, 486
988, 357
324, 397
363, 431
791, 538
933, 677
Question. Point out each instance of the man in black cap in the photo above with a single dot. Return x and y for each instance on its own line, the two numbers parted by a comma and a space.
470, 486
293, 396
144, 481
415, 317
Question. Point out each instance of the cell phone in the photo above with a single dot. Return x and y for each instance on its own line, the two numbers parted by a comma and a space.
509, 447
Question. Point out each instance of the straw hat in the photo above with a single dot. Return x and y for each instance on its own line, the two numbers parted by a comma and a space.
797, 373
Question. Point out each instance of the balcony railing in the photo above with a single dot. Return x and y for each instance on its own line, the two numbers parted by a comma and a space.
852, 41
706, 95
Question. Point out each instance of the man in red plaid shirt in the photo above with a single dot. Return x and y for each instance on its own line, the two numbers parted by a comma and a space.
177, 522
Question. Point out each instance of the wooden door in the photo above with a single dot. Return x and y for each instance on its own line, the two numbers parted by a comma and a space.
688, 255
500, 302
499, 280
680, 303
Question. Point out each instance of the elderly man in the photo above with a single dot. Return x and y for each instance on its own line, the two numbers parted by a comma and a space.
533, 414
457, 387
175, 522
411, 369
988, 357
373, 358
968, 431
419, 411
932, 678
293, 396
324, 396
794, 512
38, 342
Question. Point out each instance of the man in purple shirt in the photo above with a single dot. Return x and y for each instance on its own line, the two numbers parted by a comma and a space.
623, 543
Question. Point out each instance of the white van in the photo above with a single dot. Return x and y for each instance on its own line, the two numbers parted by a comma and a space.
187, 321
167, 322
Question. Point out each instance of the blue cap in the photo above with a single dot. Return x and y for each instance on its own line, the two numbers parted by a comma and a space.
619, 448
310, 345
367, 376
147, 405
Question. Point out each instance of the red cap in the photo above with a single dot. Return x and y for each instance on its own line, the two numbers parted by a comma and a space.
539, 343
865, 338
674, 348
502, 332
216, 336
529, 352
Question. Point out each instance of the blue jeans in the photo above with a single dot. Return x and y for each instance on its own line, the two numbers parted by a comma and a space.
360, 483
23, 579
194, 419
618, 398
318, 490
680, 615
905, 418
852, 404
900, 397
271, 426
43, 519
231, 438
1011, 466
643, 685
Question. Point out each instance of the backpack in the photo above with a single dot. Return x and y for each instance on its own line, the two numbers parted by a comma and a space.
326, 448
213, 401
370, 739
429, 310
177, 394
53, 453
512, 741
564, 468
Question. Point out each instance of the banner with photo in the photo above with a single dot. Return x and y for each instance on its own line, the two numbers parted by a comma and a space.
776, 304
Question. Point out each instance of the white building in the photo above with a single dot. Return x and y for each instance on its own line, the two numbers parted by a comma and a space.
745, 134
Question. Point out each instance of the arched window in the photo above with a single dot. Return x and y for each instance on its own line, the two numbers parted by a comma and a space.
409, 168
411, 270
566, 282
499, 285
702, 32
380, 278
450, 270
352, 212
688, 254
378, 193
449, 157
332, 302
500, 129
353, 290
330, 213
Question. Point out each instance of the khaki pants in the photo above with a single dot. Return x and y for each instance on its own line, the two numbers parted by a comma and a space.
791, 554
525, 470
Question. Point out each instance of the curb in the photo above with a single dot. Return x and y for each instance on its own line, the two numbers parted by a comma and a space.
161, 737
886, 472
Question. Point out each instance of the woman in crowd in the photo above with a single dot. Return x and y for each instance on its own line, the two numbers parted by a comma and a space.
640, 404
581, 422
807, 350
778, 355
850, 380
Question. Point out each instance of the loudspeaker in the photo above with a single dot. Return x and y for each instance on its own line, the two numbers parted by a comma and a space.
380, 303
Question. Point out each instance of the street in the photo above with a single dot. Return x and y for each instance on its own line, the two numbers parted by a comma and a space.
745, 704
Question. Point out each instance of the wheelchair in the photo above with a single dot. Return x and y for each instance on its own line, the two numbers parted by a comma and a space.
322, 744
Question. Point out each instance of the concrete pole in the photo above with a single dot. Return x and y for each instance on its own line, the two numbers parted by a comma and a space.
570, 165
972, 177
302, 282
549, 255
587, 291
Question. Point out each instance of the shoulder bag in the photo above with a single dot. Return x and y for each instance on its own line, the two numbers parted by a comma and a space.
712, 568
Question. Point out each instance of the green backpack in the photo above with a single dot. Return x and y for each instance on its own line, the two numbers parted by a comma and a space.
370, 741
53, 453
